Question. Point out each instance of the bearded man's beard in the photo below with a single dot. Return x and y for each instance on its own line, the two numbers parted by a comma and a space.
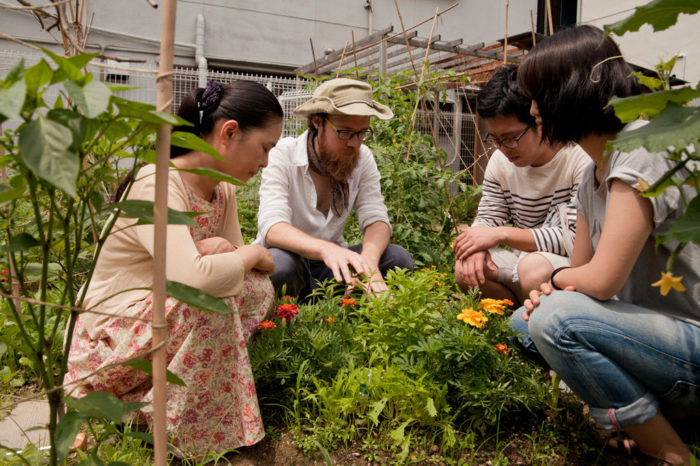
338, 165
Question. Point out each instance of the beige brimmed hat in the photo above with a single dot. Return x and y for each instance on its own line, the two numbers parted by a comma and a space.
342, 96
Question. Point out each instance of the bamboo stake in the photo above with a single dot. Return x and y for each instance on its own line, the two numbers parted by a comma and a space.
405, 36
549, 15
532, 26
354, 53
164, 84
340, 65
313, 54
505, 37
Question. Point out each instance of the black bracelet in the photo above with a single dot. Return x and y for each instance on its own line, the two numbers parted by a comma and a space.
554, 272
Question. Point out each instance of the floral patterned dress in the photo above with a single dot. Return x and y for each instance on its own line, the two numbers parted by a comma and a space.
217, 410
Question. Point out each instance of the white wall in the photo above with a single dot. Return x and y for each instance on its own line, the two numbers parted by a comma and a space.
645, 47
273, 32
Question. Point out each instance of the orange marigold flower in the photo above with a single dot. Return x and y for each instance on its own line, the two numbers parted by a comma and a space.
266, 325
474, 318
503, 349
287, 311
287, 299
330, 320
348, 302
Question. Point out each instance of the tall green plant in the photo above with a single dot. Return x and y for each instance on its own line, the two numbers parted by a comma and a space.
62, 163
674, 128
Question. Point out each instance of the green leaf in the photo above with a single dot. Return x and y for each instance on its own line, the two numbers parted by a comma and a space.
398, 433
377, 408
20, 242
66, 430
686, 228
91, 98
12, 92
44, 145
37, 76
72, 120
196, 298
193, 142
675, 126
214, 175
143, 210
145, 112
629, 109
102, 405
92, 460
660, 14
9, 193
32, 271
146, 366
67, 69
430, 406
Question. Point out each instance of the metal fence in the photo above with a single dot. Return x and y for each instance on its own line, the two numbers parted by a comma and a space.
456, 130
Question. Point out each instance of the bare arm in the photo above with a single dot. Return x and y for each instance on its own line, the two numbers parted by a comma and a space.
628, 224
374, 243
482, 238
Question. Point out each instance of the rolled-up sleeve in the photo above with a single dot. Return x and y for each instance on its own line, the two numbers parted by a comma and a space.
369, 205
274, 196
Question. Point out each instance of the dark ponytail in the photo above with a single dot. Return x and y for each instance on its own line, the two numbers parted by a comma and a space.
250, 103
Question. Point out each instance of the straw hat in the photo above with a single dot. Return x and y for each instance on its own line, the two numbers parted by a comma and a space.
342, 96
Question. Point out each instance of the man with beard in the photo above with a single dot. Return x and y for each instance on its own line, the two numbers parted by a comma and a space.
312, 184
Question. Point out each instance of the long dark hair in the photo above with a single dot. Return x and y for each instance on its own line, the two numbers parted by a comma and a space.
572, 76
250, 103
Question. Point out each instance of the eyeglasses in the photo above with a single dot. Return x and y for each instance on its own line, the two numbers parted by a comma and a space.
510, 143
346, 135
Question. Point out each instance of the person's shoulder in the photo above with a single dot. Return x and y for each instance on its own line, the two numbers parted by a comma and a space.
290, 151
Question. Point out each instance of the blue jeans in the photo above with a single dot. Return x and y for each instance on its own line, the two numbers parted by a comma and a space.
623, 360
302, 276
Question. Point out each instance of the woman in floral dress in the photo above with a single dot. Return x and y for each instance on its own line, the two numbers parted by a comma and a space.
217, 409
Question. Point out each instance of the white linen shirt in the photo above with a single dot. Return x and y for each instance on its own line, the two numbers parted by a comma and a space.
288, 194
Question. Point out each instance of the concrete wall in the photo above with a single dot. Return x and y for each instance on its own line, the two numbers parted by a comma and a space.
645, 47
272, 34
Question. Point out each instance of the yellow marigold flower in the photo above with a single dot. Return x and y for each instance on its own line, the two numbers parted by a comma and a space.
474, 318
642, 185
667, 282
330, 320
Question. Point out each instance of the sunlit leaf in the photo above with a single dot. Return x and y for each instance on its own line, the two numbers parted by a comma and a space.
12, 92
196, 298
632, 108
214, 175
66, 430
146, 366
37, 76
145, 112
660, 14
102, 405
44, 145
92, 98
143, 210
67, 69
675, 126
193, 142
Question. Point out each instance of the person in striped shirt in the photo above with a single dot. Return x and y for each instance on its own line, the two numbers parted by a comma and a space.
525, 222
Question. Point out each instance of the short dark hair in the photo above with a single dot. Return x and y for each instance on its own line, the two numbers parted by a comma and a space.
250, 103
501, 96
572, 76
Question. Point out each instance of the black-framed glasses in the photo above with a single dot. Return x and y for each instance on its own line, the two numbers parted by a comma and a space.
346, 134
510, 143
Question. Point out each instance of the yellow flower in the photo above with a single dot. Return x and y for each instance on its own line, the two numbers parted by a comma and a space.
642, 185
667, 282
495, 306
474, 318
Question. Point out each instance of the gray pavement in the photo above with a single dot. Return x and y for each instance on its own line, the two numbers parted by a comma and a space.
25, 424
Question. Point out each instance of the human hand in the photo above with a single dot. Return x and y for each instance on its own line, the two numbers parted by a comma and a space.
473, 239
256, 257
475, 269
534, 300
339, 260
214, 245
373, 284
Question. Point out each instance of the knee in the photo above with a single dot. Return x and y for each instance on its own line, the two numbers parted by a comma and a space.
547, 318
533, 270
396, 257
289, 270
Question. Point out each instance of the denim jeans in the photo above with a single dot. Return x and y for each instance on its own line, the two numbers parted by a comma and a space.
302, 275
623, 360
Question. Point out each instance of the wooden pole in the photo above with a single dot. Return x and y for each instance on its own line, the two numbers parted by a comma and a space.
342, 57
164, 85
532, 26
313, 54
354, 53
549, 16
505, 37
